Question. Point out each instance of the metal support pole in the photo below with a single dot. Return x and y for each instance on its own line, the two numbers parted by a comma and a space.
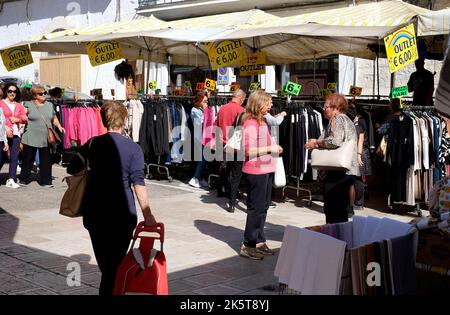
148, 73
373, 80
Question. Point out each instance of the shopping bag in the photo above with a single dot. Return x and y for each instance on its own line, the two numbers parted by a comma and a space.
280, 176
143, 270
234, 142
336, 159
71, 201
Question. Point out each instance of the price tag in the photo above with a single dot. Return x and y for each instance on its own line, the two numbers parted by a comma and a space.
200, 86
331, 86
324, 92
400, 91
292, 88
234, 87
152, 85
187, 84
97, 92
401, 48
103, 52
355, 90
113, 92
17, 57
210, 84
254, 86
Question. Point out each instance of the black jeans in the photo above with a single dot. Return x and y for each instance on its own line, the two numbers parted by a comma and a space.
110, 248
230, 174
258, 200
234, 168
336, 196
45, 164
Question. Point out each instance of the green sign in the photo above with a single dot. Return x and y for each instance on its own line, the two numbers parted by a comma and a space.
400, 91
152, 85
292, 88
254, 86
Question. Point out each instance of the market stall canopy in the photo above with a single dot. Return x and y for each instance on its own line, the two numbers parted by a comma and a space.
434, 23
129, 34
375, 19
347, 31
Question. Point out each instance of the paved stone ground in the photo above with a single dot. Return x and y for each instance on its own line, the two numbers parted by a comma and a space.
201, 246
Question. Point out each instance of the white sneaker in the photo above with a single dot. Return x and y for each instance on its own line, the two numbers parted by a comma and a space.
203, 183
194, 183
10, 183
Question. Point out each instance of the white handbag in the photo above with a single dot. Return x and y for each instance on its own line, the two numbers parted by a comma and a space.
339, 159
279, 179
235, 141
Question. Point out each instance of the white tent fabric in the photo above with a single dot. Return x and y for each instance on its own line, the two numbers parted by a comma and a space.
434, 23
346, 31
375, 19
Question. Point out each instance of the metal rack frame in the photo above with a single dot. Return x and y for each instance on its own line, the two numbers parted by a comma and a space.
298, 189
158, 167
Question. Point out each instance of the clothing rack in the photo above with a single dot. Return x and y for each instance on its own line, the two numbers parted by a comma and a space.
298, 189
402, 205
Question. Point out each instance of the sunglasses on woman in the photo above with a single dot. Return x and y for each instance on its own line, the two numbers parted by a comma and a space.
42, 93
12, 91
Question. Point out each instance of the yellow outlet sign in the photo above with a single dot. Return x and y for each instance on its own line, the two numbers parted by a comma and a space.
103, 52
17, 57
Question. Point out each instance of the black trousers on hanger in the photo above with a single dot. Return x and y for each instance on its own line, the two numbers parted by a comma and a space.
45, 164
336, 196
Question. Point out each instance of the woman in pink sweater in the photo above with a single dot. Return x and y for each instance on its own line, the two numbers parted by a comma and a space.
258, 169
15, 114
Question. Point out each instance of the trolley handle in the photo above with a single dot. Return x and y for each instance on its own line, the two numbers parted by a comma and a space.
158, 229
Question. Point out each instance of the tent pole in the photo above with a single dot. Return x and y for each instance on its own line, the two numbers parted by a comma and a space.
314, 69
373, 80
378, 69
148, 72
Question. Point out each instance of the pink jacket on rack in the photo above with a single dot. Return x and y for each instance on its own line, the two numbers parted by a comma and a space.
209, 116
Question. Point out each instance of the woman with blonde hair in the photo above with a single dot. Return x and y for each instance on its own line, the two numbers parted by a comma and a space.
340, 129
258, 169
116, 165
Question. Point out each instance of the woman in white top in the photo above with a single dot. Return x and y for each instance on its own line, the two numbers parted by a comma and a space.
15, 114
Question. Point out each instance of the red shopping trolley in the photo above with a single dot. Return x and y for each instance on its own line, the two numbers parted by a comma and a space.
143, 270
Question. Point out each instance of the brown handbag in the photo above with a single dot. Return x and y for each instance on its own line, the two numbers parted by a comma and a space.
52, 136
76, 187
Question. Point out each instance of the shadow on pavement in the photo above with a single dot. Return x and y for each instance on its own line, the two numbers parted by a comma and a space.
30, 271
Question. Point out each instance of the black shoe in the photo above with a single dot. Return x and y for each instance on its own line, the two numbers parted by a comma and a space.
351, 212
239, 196
23, 182
230, 207
47, 185
272, 204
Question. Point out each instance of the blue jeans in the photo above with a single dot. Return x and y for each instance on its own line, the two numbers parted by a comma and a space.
14, 149
200, 167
